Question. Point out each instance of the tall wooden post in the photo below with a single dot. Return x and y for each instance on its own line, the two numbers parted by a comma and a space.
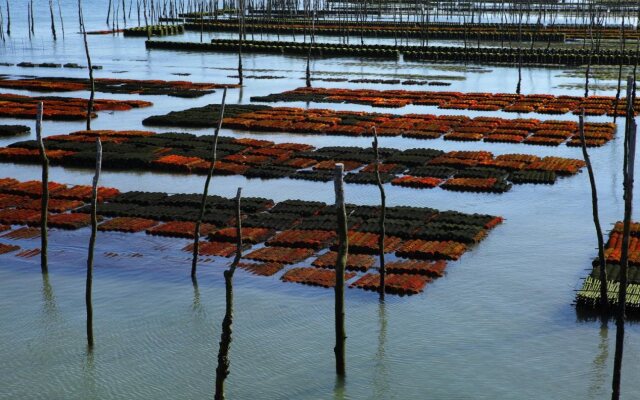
53, 23
311, 41
383, 214
89, 66
618, 87
44, 205
61, 19
92, 243
8, 19
629, 161
240, 38
341, 263
124, 13
588, 70
222, 371
205, 193
29, 31
519, 86
604, 299
32, 19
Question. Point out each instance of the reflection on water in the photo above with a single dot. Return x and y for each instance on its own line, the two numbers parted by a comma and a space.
240, 94
196, 306
89, 374
381, 374
49, 299
339, 389
600, 371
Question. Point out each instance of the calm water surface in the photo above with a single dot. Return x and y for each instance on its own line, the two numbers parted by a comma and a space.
500, 325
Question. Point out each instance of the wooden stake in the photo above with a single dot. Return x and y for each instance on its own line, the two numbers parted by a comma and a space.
124, 13
29, 21
383, 214
311, 41
33, 24
222, 371
618, 88
604, 299
1, 25
519, 86
205, 193
53, 23
8, 19
201, 22
341, 263
92, 243
89, 66
61, 19
588, 70
44, 206
146, 20
630, 147
240, 26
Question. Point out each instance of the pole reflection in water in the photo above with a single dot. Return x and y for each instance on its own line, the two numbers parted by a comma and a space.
598, 387
381, 375
240, 93
89, 371
339, 390
48, 298
196, 306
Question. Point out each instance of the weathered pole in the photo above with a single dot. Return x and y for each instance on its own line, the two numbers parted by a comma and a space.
109, 11
61, 19
604, 299
146, 20
53, 23
44, 205
8, 19
341, 263
588, 70
201, 22
115, 22
33, 24
124, 13
89, 66
240, 34
92, 243
2, 25
29, 21
222, 371
618, 87
519, 86
383, 214
205, 193
635, 63
629, 161
308, 70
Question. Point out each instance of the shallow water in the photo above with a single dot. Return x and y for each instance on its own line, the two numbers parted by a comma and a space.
499, 325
